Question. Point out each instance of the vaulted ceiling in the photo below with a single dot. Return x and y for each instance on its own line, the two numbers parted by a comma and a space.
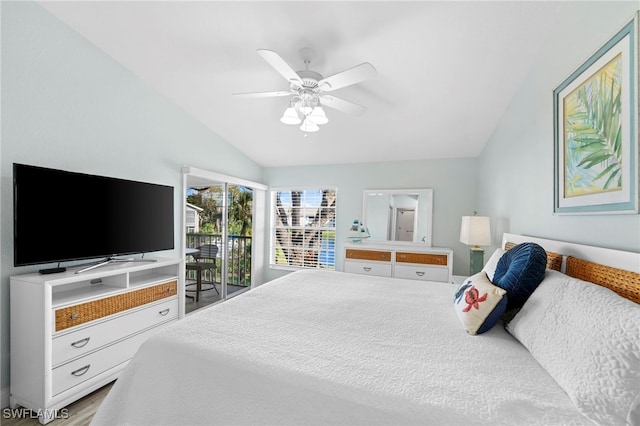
446, 71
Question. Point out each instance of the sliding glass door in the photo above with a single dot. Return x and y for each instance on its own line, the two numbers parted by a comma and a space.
239, 238
219, 240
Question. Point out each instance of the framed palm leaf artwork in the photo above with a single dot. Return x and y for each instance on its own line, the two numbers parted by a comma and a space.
596, 131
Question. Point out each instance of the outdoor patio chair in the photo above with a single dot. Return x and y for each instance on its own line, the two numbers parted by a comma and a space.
205, 261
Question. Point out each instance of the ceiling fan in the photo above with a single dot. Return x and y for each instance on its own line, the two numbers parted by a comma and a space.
307, 90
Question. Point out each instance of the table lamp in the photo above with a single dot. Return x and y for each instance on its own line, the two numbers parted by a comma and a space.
475, 231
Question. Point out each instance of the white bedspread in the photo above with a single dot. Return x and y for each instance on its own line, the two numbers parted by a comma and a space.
316, 348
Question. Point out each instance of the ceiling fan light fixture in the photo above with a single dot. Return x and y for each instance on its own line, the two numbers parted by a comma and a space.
309, 126
306, 110
307, 87
318, 116
290, 116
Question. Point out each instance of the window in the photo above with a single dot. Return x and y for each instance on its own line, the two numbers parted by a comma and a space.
303, 232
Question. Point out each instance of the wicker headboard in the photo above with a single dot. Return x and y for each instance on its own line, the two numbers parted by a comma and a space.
614, 269
625, 283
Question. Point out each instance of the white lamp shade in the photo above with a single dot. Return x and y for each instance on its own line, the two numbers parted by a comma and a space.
290, 116
318, 116
309, 126
475, 231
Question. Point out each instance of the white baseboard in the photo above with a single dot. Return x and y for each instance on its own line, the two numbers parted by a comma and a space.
4, 398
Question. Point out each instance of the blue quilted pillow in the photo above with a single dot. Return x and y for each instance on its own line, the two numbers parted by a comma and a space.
519, 271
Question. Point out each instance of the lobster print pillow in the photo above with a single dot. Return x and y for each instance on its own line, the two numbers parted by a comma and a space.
479, 304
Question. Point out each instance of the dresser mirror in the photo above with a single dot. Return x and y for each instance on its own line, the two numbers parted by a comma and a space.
398, 214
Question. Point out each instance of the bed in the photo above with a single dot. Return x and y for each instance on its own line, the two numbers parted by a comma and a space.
331, 348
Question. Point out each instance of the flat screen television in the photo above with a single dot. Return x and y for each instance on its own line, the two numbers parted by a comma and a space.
62, 216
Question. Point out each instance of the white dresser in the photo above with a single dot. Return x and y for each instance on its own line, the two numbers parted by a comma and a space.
73, 333
410, 261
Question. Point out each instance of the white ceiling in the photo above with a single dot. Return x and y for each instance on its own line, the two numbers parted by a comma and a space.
446, 71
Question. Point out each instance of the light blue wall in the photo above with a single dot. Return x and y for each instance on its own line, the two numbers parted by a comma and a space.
65, 104
515, 170
454, 195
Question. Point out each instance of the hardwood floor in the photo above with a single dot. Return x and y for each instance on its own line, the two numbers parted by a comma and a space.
78, 413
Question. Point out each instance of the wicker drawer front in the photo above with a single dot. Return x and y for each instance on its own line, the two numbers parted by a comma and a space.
422, 258
382, 256
77, 343
89, 311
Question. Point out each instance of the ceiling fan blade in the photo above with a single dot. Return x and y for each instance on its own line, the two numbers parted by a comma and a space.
351, 76
261, 94
280, 65
342, 105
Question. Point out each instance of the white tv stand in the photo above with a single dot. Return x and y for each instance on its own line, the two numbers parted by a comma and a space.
72, 334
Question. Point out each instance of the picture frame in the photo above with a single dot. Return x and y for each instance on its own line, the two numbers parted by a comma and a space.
595, 113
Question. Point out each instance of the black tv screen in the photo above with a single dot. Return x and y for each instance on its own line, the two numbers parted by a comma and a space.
62, 216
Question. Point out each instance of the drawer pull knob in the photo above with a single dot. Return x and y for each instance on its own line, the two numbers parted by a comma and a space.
164, 312
419, 273
81, 343
74, 316
80, 371
366, 268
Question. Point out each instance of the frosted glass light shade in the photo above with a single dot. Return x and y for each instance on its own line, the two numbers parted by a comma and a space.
309, 126
306, 110
318, 116
475, 231
290, 116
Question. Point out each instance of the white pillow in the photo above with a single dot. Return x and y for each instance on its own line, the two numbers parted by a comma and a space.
490, 266
479, 304
588, 339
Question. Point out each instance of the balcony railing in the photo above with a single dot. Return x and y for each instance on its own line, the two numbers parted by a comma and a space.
238, 253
